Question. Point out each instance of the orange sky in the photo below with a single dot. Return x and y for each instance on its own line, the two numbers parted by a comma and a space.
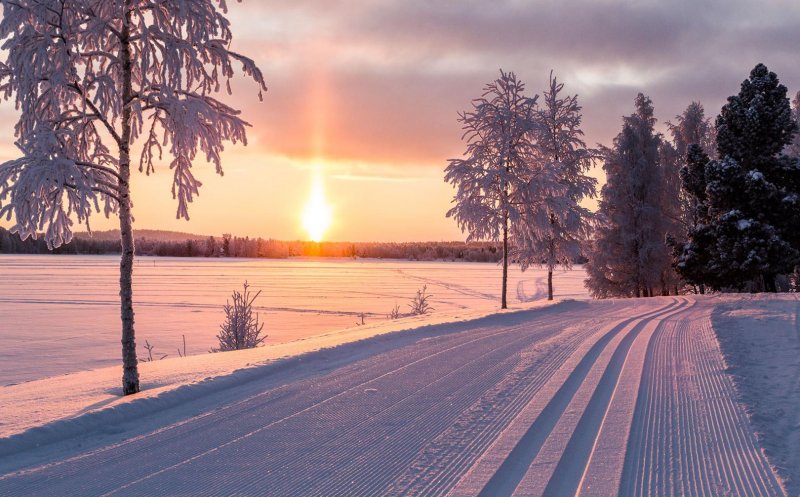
367, 93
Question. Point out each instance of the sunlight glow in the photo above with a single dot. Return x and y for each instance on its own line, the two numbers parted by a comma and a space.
317, 214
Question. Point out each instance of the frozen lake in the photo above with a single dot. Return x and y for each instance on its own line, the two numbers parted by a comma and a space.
60, 314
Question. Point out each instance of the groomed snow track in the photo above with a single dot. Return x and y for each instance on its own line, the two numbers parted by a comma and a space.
592, 399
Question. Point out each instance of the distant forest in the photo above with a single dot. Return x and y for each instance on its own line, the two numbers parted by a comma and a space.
172, 244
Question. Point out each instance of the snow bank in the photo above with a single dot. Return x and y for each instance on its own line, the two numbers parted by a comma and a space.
759, 338
89, 404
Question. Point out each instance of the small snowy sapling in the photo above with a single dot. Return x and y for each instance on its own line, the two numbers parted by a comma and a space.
241, 329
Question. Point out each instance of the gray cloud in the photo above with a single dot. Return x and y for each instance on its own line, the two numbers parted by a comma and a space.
396, 72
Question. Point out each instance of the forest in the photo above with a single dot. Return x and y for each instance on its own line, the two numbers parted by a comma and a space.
170, 244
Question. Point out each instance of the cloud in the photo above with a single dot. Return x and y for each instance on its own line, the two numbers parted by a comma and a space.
382, 81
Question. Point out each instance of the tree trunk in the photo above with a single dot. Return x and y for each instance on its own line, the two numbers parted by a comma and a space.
552, 259
503, 303
130, 371
769, 283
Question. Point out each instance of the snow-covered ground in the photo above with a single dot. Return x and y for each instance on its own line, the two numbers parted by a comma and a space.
760, 338
577, 398
61, 313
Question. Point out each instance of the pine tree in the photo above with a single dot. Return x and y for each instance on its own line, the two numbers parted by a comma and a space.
95, 81
753, 189
692, 256
555, 225
628, 257
691, 128
492, 181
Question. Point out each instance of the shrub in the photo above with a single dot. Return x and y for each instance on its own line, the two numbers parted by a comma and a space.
241, 329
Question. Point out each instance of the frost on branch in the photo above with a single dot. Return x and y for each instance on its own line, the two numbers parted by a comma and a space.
555, 224
65, 67
50, 188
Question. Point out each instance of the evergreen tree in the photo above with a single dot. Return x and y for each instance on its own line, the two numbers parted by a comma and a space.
692, 255
691, 128
752, 193
628, 256
555, 225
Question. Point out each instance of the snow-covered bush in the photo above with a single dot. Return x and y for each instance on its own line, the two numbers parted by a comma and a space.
419, 304
241, 329
395, 314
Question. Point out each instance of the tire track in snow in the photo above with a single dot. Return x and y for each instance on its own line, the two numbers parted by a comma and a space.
285, 403
556, 469
435, 468
622, 398
689, 435
503, 467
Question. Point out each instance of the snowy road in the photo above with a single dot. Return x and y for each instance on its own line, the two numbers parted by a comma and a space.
592, 399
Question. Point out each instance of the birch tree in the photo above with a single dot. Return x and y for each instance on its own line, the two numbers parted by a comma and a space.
554, 225
103, 87
491, 180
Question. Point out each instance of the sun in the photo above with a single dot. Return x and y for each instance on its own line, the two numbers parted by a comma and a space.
317, 214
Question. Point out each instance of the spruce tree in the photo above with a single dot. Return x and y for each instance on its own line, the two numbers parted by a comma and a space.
628, 256
751, 193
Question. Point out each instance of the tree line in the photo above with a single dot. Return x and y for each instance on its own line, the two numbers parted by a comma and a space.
235, 246
713, 206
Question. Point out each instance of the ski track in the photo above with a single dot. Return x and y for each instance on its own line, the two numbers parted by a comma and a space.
615, 398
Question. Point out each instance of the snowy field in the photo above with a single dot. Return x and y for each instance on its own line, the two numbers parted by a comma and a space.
61, 313
578, 398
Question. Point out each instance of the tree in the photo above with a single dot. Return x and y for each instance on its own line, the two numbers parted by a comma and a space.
692, 141
692, 254
93, 78
692, 127
492, 181
793, 150
628, 257
555, 225
241, 329
752, 193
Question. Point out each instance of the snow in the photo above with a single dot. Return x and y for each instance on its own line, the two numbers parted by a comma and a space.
743, 224
591, 398
43, 401
45, 301
759, 337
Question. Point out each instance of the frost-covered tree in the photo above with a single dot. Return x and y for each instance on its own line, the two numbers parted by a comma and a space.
491, 180
690, 127
98, 82
693, 127
555, 226
628, 257
793, 150
752, 192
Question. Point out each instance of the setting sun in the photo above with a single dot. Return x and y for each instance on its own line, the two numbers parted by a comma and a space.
317, 214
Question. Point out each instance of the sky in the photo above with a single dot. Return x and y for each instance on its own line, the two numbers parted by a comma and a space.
364, 97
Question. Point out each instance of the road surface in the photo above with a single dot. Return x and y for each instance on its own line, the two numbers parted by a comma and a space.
590, 398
